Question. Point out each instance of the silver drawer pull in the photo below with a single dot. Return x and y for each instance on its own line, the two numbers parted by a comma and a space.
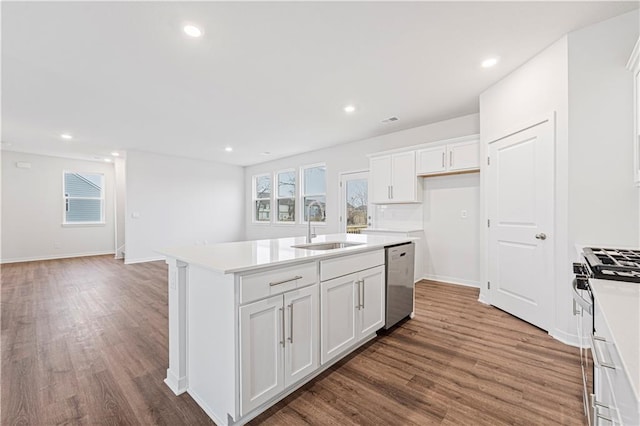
596, 358
596, 411
297, 277
282, 342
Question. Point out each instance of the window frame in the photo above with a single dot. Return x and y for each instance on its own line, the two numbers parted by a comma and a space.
302, 194
254, 198
102, 199
276, 195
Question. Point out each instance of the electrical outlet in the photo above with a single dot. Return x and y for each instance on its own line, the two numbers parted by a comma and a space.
463, 214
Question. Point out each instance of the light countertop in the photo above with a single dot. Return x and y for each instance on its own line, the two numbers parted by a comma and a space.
401, 230
243, 256
619, 303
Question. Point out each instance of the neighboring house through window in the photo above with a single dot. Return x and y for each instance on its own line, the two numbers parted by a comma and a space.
314, 188
83, 198
286, 196
262, 198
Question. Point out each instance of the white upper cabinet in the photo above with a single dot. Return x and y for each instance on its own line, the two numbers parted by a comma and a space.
450, 158
634, 66
393, 178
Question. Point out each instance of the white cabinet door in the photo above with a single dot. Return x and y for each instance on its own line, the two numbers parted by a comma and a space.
261, 343
302, 333
371, 300
431, 160
380, 179
403, 177
464, 156
337, 298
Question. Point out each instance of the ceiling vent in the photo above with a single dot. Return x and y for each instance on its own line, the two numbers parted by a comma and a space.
390, 120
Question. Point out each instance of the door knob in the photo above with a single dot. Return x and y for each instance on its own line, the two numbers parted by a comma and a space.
541, 236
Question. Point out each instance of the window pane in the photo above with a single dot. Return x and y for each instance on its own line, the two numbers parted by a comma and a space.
287, 184
79, 210
357, 199
263, 187
263, 210
314, 180
287, 210
317, 212
83, 185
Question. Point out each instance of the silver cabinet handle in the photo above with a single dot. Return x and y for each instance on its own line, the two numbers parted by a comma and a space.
541, 236
596, 358
443, 159
391, 191
291, 323
362, 283
359, 305
282, 323
297, 277
450, 158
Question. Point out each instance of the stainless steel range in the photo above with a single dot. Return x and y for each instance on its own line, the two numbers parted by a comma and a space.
604, 264
613, 264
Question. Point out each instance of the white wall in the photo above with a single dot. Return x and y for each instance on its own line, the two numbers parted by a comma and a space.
32, 210
536, 89
452, 242
582, 78
180, 202
347, 157
603, 204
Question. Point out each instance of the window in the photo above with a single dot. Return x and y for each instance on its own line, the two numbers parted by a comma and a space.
286, 196
83, 198
314, 190
262, 198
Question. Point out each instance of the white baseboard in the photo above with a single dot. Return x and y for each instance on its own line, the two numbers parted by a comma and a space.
482, 298
55, 256
566, 338
143, 259
452, 280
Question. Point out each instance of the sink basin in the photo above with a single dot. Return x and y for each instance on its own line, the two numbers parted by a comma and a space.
326, 246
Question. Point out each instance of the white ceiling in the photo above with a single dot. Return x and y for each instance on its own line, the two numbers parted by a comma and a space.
266, 76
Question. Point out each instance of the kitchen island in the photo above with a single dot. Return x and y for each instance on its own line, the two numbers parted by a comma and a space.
252, 321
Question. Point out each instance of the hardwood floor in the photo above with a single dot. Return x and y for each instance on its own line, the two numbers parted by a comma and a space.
84, 341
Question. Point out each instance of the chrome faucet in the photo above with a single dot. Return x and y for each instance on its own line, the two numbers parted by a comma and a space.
310, 236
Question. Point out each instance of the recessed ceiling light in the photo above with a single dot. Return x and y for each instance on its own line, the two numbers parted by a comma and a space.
228, 149
349, 109
66, 136
108, 160
192, 31
489, 62
115, 154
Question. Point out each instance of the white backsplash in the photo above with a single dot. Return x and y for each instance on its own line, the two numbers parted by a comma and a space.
397, 216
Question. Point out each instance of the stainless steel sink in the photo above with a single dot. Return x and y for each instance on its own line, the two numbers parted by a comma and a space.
326, 246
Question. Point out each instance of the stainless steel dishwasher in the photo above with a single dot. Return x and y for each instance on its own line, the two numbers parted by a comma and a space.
400, 263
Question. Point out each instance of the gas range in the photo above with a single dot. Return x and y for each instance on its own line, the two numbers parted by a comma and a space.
612, 264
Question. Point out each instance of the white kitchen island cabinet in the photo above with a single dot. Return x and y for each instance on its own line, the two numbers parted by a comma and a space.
245, 324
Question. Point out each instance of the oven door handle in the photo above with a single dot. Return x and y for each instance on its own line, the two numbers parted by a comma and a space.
584, 303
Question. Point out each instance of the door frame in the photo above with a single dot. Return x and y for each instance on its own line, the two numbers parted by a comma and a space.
342, 214
485, 292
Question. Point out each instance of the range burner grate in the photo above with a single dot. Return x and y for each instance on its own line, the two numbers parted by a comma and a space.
614, 264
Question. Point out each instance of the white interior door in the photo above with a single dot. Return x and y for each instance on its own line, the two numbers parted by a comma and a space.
355, 213
520, 200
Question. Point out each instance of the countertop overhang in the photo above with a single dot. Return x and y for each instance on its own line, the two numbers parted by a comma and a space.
245, 256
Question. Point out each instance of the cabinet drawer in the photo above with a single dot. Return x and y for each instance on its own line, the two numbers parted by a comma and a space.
262, 284
341, 266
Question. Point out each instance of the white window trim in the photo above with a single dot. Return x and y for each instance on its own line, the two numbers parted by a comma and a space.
277, 197
102, 199
254, 179
302, 194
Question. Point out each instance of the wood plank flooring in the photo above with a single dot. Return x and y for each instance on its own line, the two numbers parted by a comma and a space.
84, 341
